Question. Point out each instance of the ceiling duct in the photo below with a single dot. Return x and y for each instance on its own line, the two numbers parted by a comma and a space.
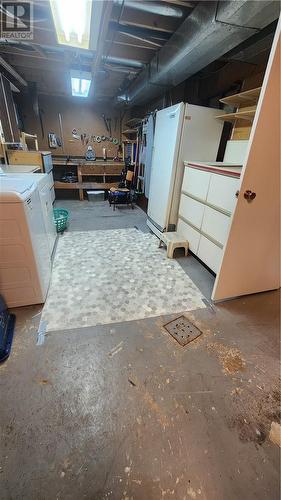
152, 7
121, 61
210, 31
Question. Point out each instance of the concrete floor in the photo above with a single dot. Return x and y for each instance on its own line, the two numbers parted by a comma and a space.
124, 412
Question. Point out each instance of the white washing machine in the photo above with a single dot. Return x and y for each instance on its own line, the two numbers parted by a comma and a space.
44, 184
25, 261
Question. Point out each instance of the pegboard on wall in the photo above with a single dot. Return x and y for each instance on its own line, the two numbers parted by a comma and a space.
86, 118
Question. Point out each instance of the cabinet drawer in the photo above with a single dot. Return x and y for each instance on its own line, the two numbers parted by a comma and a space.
191, 210
216, 225
209, 253
91, 169
196, 182
222, 191
190, 234
113, 169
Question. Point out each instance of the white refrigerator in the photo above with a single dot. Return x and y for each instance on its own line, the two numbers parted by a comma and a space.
182, 132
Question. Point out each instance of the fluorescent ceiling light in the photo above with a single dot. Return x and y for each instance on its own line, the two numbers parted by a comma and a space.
80, 83
72, 19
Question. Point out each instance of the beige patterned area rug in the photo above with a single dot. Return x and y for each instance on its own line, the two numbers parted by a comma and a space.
102, 277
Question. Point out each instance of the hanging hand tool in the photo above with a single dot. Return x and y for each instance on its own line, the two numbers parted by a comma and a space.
41, 122
75, 134
109, 125
83, 139
61, 131
105, 122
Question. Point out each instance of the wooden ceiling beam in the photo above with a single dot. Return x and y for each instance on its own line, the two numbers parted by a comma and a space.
41, 65
148, 26
142, 39
148, 20
114, 26
129, 52
181, 3
7, 67
37, 55
40, 51
133, 45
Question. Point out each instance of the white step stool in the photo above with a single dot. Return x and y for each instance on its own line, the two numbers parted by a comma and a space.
172, 240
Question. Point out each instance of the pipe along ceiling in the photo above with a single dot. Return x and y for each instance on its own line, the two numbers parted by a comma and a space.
210, 31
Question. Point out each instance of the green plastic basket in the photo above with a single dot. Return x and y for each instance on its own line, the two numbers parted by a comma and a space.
60, 218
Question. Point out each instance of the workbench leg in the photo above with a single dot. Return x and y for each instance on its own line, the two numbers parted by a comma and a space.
79, 175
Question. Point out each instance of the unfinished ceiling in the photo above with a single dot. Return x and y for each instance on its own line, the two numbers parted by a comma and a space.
130, 34
145, 47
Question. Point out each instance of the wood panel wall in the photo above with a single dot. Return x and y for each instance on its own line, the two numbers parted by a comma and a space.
76, 113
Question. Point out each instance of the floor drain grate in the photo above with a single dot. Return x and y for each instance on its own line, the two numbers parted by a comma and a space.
182, 330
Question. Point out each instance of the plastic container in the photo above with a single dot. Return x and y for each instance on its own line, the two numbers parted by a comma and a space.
95, 195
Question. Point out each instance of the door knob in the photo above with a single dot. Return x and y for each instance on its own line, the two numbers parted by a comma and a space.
249, 195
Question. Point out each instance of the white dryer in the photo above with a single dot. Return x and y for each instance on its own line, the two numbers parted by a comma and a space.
45, 194
25, 262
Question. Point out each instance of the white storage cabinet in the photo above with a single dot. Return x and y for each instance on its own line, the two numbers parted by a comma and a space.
207, 202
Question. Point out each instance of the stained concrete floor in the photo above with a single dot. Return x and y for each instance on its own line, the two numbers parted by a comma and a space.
123, 412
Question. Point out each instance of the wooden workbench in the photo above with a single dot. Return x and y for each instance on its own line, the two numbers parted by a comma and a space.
101, 170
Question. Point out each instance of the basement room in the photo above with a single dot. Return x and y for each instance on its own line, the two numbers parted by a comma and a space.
140, 250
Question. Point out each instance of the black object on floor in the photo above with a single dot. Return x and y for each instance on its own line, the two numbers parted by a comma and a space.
7, 327
182, 330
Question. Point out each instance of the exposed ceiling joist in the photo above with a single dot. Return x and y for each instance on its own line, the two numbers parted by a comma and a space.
25, 64
182, 3
40, 51
142, 39
32, 55
145, 26
12, 71
117, 42
137, 31
152, 7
